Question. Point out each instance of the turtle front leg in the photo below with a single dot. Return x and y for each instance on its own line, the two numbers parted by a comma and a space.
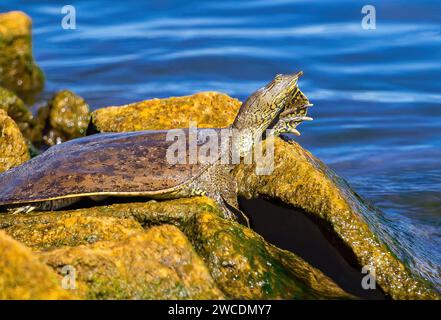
230, 201
228, 195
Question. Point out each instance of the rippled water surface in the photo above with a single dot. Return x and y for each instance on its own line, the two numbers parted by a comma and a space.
377, 92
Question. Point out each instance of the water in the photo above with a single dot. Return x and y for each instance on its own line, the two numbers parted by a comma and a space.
376, 92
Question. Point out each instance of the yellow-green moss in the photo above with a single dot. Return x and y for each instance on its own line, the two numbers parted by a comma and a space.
13, 147
51, 230
159, 263
47, 230
18, 72
245, 266
206, 109
23, 276
65, 117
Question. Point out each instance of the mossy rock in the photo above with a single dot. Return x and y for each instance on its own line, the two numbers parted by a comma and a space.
13, 147
23, 276
206, 109
49, 230
17, 110
18, 71
54, 230
245, 266
159, 263
65, 117
240, 264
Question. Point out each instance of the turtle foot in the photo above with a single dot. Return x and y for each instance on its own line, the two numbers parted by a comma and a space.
23, 209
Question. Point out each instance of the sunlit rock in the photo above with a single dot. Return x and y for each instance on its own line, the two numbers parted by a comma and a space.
13, 147
205, 109
18, 71
159, 263
65, 117
23, 276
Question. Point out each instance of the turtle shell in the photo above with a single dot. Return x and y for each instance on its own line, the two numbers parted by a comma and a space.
128, 163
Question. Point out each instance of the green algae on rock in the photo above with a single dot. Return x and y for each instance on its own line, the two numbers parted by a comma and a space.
245, 266
17, 110
65, 117
13, 147
23, 276
49, 230
18, 72
159, 263
303, 181
206, 109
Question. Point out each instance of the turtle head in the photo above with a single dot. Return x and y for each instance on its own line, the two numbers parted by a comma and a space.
279, 105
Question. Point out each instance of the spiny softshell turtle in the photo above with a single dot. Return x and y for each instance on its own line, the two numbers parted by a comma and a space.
136, 163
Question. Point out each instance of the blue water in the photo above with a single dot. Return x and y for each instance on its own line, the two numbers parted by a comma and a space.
376, 92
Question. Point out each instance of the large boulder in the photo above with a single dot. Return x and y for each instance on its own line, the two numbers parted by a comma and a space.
18, 71
13, 148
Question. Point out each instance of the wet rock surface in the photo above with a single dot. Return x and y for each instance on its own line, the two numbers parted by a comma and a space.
18, 71
13, 147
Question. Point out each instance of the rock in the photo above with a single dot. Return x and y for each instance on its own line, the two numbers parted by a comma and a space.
18, 72
49, 230
245, 266
72, 228
13, 147
159, 263
206, 109
23, 276
65, 117
303, 181
17, 110
242, 264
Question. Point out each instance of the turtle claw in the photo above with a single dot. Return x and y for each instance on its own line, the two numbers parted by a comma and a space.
295, 131
298, 119
24, 209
